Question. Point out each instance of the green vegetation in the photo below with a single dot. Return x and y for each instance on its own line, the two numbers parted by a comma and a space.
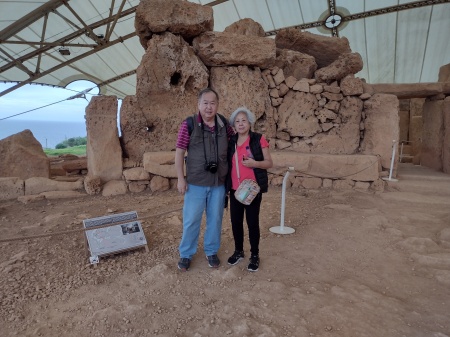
79, 150
75, 146
71, 142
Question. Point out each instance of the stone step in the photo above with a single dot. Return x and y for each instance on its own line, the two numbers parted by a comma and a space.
406, 148
407, 158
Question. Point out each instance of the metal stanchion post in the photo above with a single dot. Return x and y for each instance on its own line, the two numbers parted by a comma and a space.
282, 229
394, 142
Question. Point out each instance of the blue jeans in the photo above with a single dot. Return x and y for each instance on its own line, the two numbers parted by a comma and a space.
196, 200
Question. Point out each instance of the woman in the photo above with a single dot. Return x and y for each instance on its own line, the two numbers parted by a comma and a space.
253, 160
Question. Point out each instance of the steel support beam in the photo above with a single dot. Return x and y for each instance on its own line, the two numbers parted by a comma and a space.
68, 62
362, 15
63, 39
30, 18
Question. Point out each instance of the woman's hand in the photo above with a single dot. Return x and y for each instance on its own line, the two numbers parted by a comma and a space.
249, 162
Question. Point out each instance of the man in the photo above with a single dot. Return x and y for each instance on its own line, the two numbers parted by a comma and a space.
205, 137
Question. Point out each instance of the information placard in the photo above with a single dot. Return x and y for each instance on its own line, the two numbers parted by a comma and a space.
126, 235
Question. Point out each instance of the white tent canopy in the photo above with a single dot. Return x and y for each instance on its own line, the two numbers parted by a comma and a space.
59, 41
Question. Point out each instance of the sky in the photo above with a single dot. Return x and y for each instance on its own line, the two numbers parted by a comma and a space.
34, 96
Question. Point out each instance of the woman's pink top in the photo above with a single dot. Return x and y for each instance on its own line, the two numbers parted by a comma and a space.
245, 172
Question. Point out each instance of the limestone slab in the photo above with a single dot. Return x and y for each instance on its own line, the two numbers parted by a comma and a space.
354, 167
223, 49
37, 185
160, 163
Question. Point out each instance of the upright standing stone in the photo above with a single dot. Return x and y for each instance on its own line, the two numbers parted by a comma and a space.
404, 125
415, 128
104, 154
381, 128
446, 143
433, 134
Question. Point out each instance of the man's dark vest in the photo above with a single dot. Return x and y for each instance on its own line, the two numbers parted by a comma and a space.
202, 141
255, 147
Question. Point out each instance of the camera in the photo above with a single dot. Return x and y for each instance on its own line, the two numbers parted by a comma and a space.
211, 167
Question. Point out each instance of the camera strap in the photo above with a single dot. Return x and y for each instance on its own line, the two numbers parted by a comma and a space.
214, 140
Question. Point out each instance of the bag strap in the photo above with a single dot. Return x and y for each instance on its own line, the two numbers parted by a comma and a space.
190, 124
237, 163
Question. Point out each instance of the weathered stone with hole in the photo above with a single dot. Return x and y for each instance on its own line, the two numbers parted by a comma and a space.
169, 79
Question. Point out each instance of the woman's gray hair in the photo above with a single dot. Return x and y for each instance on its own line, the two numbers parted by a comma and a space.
250, 115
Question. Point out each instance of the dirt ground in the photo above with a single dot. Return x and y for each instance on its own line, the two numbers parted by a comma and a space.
358, 264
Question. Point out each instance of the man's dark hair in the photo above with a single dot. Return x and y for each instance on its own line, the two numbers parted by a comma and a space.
206, 90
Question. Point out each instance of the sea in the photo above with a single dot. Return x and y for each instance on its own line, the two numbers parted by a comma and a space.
48, 133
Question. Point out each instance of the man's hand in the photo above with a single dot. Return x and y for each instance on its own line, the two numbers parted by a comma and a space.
182, 186
179, 166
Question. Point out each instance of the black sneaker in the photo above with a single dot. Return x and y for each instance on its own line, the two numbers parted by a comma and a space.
213, 261
184, 264
235, 258
254, 263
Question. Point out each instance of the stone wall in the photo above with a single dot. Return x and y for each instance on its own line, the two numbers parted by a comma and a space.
301, 87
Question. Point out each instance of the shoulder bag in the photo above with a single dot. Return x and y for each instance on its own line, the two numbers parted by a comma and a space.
248, 189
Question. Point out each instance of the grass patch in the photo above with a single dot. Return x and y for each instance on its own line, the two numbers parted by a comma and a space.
79, 150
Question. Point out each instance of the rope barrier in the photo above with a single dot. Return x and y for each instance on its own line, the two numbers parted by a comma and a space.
334, 177
155, 215
79, 230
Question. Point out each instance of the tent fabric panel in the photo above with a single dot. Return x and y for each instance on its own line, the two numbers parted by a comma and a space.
437, 51
224, 15
380, 44
285, 16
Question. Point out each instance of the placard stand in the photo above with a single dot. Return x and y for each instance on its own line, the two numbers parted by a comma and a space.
126, 235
